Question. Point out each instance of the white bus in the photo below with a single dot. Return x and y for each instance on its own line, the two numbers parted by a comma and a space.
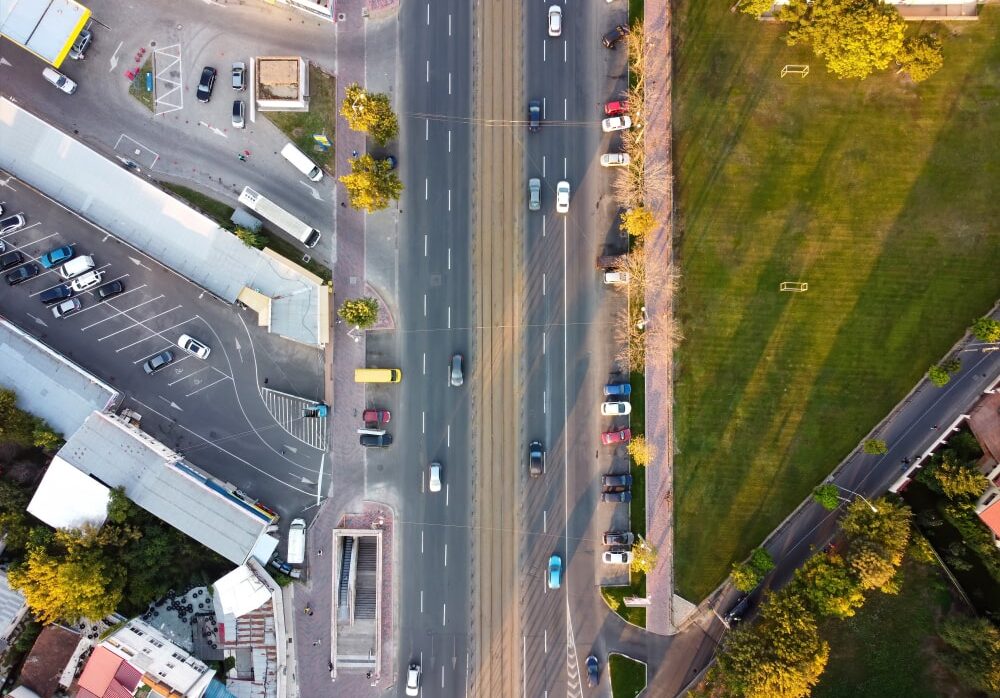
305, 234
303, 164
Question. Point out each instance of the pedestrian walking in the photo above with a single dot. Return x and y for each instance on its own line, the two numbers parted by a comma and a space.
354, 153
315, 643
934, 427
319, 552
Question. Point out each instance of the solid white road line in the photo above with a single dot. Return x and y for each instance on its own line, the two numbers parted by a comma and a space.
427, 185
425, 244
447, 497
421, 541
449, 25
449, 258
449, 199
425, 363
543, 167
421, 600
565, 49
428, 14
445, 554
449, 82
423, 422
449, 140
545, 521
425, 305
428, 71
449, 317
565, 166
449, 436
543, 342
444, 614
543, 283
427, 129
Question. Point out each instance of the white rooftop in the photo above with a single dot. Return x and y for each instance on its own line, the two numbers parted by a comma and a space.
47, 28
159, 225
156, 479
47, 384
68, 498
241, 591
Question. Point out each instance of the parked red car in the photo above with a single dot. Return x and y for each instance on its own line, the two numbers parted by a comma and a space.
616, 108
376, 416
613, 437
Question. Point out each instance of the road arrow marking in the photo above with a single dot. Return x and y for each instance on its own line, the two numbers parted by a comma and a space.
171, 403
39, 320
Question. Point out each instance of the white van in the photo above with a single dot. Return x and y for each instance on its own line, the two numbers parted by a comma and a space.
303, 164
76, 266
59, 80
296, 542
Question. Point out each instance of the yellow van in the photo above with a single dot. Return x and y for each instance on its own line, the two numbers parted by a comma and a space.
377, 375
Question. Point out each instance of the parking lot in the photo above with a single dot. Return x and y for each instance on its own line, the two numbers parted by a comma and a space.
210, 409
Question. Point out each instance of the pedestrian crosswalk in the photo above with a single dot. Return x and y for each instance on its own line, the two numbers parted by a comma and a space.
292, 413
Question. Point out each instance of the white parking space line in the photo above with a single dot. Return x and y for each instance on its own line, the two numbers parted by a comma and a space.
138, 323
206, 387
119, 312
136, 150
156, 333
206, 368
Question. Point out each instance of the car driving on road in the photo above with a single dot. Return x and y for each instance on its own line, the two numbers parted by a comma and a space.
562, 197
593, 671
534, 115
457, 377
614, 409
536, 459
413, 679
434, 477
555, 572
555, 20
618, 436
534, 194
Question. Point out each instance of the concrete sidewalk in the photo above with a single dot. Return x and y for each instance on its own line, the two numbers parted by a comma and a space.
659, 307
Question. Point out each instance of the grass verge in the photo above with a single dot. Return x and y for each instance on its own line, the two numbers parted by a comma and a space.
138, 87
879, 194
890, 632
614, 597
321, 118
221, 212
628, 677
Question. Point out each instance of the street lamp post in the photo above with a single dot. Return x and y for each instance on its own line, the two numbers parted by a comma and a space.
870, 505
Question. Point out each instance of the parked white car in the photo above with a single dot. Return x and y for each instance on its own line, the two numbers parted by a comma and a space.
615, 160
615, 277
616, 123
59, 80
619, 556
193, 347
615, 409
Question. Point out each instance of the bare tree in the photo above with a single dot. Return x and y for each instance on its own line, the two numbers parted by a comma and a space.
630, 339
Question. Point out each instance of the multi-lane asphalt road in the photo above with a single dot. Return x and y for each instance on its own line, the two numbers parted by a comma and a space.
518, 295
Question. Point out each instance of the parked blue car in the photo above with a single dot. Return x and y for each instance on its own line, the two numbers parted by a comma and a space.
618, 389
54, 258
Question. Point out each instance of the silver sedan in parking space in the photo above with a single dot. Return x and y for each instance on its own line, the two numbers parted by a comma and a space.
613, 409
157, 362
562, 197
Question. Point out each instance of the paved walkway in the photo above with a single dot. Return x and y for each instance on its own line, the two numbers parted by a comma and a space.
289, 411
659, 370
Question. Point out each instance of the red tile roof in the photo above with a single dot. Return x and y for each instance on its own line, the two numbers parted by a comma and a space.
991, 517
108, 676
48, 658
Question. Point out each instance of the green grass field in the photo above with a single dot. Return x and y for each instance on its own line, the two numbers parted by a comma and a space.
890, 632
321, 118
628, 677
881, 195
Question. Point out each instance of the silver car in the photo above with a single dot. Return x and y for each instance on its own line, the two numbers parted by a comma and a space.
534, 194
457, 377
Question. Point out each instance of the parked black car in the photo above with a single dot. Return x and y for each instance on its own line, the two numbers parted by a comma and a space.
614, 36
55, 294
22, 274
206, 84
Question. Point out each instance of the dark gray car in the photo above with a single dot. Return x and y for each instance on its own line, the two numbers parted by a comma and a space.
375, 440
536, 459
158, 362
534, 115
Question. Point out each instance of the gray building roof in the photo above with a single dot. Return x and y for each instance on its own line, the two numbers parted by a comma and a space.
12, 606
159, 225
155, 478
47, 384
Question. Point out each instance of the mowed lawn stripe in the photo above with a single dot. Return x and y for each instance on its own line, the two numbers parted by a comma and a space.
882, 195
